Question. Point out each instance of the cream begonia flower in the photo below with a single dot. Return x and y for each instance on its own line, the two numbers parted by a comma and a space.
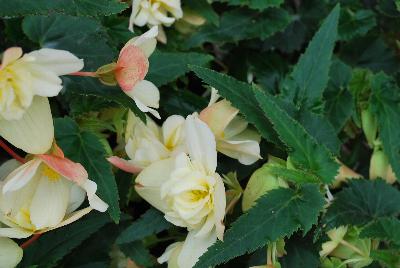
336, 235
233, 136
154, 12
43, 194
148, 143
25, 82
189, 191
131, 69
10, 253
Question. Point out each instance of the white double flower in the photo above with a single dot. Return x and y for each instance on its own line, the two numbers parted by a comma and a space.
189, 191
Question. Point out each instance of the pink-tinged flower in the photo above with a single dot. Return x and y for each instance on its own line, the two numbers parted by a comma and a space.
131, 69
25, 83
234, 138
43, 194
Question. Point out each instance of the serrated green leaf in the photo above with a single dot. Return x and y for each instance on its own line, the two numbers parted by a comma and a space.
306, 84
386, 229
85, 148
139, 253
363, 201
277, 214
241, 24
304, 150
300, 253
254, 4
355, 24
18, 8
168, 66
51, 247
296, 176
90, 86
241, 96
385, 104
151, 222
84, 37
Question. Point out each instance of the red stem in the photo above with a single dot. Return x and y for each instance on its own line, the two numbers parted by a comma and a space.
30, 241
90, 74
11, 152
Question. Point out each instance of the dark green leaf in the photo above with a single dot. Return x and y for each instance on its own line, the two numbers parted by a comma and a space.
277, 214
255, 4
151, 222
17, 8
354, 24
85, 148
139, 253
386, 229
204, 8
363, 201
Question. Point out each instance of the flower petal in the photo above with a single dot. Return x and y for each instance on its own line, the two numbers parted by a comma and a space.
247, 152
94, 201
172, 130
124, 165
149, 181
146, 95
7, 167
171, 254
21, 176
50, 202
71, 218
14, 232
10, 55
10, 253
194, 247
146, 42
34, 132
76, 198
200, 142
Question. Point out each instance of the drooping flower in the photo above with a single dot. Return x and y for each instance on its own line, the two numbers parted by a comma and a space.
148, 143
25, 82
10, 253
154, 12
189, 191
234, 138
43, 194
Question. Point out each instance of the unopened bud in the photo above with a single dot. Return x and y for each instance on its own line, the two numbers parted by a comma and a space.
369, 126
106, 74
379, 165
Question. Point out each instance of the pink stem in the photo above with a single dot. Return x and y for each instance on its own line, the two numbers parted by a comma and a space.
90, 74
30, 241
11, 152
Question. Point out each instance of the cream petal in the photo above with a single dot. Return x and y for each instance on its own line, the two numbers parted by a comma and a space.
214, 97
94, 201
149, 181
21, 176
71, 218
219, 207
10, 55
218, 116
14, 232
172, 130
7, 167
146, 96
247, 152
10, 253
171, 254
194, 247
200, 143
50, 202
146, 42
45, 83
76, 198
58, 61
238, 126
142, 18
34, 132
135, 10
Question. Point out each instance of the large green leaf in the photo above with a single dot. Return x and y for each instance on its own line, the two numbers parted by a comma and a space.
304, 150
386, 229
385, 104
17, 8
241, 96
84, 37
354, 24
277, 214
151, 222
85, 148
241, 24
53, 246
168, 66
255, 4
204, 8
363, 201
309, 78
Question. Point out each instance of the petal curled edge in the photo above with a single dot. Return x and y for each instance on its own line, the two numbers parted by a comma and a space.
146, 96
21, 176
34, 132
124, 165
10, 55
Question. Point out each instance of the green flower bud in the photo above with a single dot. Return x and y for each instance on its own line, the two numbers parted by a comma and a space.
260, 182
379, 165
106, 74
369, 126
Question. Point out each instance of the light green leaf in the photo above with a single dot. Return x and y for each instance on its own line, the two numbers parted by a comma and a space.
304, 150
51, 247
277, 214
19, 8
166, 67
363, 201
385, 104
241, 24
310, 76
85, 148
151, 222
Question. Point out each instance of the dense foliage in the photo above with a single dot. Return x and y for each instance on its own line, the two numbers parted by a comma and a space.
318, 83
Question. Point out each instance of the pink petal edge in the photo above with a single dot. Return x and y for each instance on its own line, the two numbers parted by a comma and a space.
124, 165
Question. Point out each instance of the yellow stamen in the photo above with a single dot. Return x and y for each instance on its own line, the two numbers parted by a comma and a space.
50, 173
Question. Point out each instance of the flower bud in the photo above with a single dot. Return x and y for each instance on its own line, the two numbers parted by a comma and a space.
260, 183
369, 126
379, 165
106, 74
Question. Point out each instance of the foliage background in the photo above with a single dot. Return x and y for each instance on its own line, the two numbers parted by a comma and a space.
352, 63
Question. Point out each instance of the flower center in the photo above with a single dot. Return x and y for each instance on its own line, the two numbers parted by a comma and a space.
197, 195
50, 173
